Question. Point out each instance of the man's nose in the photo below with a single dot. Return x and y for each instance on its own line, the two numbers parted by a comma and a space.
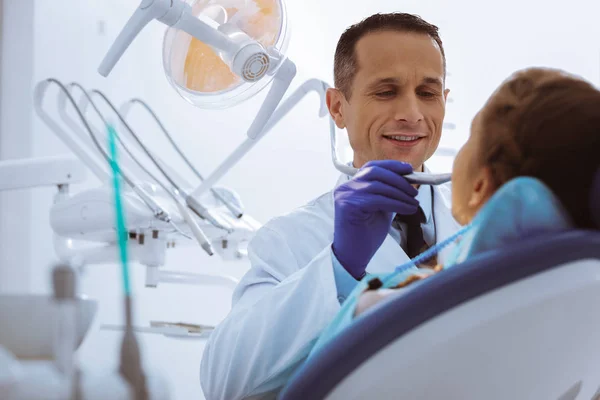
408, 109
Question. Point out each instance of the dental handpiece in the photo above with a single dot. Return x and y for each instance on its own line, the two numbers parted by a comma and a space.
418, 178
424, 178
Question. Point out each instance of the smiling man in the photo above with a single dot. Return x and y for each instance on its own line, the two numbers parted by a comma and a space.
390, 96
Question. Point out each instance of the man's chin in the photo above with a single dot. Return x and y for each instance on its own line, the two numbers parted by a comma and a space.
416, 163
415, 157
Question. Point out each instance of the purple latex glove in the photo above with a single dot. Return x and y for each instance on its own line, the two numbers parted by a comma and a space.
364, 208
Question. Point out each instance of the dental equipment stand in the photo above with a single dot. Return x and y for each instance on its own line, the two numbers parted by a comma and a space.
88, 216
43, 365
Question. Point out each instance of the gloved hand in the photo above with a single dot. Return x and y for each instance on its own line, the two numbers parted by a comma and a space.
364, 208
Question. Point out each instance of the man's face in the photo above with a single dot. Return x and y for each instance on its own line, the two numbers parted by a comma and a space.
397, 102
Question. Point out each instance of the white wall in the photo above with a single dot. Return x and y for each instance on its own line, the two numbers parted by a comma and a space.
67, 40
16, 69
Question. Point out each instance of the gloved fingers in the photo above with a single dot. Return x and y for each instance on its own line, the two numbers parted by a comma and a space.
388, 177
377, 202
398, 167
388, 191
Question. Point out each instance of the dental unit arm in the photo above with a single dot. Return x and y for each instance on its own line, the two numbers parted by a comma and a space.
42, 171
87, 216
245, 57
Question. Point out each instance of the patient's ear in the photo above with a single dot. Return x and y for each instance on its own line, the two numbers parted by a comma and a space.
483, 189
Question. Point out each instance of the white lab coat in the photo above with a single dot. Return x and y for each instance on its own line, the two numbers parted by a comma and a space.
288, 297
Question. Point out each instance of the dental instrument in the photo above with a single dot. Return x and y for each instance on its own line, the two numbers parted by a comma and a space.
126, 177
94, 144
177, 330
174, 193
194, 204
124, 110
39, 94
89, 159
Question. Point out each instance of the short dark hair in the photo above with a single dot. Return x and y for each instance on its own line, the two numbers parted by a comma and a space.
344, 64
544, 123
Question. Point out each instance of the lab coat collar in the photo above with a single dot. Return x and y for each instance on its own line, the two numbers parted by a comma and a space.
424, 198
342, 179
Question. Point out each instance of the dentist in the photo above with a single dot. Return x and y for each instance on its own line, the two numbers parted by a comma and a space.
390, 96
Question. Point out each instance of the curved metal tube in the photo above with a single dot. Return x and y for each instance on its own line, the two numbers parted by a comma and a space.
105, 122
194, 205
89, 160
231, 207
156, 209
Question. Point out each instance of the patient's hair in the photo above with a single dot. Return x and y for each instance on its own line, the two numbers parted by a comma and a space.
344, 63
545, 124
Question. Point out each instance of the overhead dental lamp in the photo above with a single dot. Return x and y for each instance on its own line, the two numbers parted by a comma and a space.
218, 53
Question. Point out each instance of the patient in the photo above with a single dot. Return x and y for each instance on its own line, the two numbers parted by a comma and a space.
526, 169
540, 123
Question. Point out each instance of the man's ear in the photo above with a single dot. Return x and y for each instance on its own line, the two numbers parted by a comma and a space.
334, 100
446, 92
483, 188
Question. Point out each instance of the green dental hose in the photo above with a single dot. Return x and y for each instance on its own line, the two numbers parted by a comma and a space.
120, 215
130, 367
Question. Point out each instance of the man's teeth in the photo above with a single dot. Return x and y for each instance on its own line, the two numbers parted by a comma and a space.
404, 138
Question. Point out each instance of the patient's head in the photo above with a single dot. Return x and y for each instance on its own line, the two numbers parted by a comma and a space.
541, 123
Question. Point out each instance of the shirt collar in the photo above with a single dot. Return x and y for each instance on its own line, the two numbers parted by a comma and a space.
424, 198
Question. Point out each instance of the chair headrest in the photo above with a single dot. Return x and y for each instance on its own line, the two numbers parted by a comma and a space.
595, 199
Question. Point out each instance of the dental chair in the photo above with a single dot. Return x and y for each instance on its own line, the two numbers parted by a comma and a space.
519, 323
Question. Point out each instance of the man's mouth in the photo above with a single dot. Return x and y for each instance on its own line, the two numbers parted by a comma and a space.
404, 140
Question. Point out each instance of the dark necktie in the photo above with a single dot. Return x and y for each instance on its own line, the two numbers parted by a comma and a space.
415, 243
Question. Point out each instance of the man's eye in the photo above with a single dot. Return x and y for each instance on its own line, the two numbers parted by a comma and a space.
427, 94
387, 93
